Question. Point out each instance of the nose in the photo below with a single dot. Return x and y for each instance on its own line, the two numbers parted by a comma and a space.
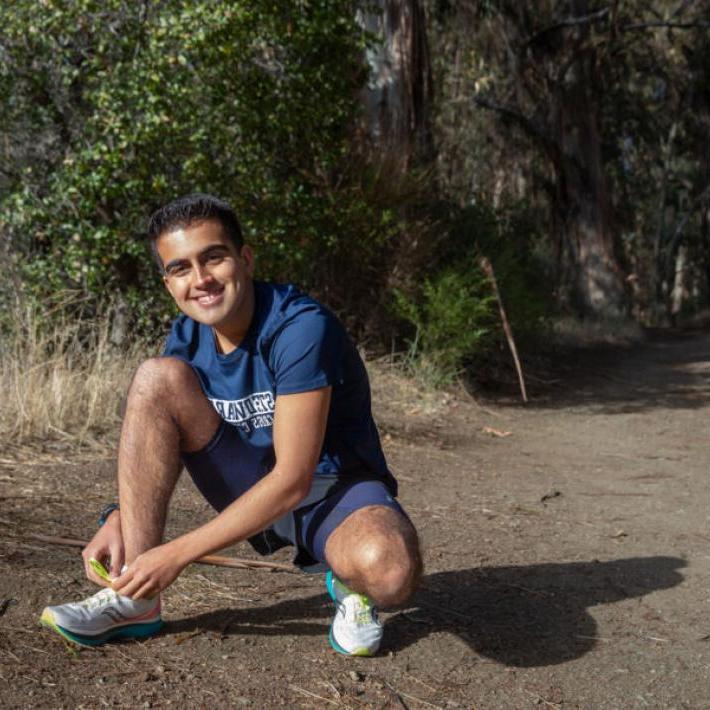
201, 274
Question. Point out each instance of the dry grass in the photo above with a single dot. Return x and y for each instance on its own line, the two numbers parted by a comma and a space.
397, 391
63, 382
61, 377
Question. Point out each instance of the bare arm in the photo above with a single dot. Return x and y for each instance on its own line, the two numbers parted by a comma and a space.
299, 428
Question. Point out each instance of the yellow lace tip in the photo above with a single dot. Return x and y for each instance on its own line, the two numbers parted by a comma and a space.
99, 569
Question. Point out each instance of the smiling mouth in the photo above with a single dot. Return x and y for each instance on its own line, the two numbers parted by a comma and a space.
210, 299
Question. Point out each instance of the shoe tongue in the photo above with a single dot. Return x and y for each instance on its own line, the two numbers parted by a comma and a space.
102, 596
357, 606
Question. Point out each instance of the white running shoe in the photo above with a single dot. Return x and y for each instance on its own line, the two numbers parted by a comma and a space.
355, 630
104, 616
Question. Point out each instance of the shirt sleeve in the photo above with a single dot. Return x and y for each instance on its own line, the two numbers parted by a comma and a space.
307, 352
182, 340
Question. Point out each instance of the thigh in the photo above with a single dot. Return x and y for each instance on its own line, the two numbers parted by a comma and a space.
226, 467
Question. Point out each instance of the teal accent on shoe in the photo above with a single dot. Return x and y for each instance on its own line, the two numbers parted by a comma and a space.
329, 585
330, 580
131, 631
334, 645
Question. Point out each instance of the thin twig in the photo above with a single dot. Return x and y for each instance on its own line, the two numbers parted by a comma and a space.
488, 269
312, 695
17, 629
216, 560
426, 685
412, 697
539, 697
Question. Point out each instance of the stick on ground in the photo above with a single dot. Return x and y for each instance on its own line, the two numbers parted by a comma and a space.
488, 269
217, 560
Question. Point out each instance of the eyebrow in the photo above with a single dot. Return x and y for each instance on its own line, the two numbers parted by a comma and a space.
205, 252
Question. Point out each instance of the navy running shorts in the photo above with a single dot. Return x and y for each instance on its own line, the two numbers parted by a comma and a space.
331, 499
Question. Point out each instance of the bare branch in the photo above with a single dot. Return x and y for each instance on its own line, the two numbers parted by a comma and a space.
570, 22
669, 25
684, 5
511, 113
527, 124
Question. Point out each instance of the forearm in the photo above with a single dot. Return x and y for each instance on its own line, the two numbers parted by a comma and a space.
268, 500
299, 429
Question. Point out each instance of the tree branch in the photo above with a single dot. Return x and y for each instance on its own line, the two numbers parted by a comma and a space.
534, 131
669, 25
513, 114
569, 22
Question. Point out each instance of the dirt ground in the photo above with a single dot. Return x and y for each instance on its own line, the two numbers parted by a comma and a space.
566, 549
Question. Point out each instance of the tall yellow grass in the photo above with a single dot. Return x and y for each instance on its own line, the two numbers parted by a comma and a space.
61, 377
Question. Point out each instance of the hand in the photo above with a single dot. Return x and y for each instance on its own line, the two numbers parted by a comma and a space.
106, 544
150, 573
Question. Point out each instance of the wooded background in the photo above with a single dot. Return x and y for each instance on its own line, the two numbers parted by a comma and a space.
375, 151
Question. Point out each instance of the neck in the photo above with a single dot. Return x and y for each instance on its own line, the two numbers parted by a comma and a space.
228, 337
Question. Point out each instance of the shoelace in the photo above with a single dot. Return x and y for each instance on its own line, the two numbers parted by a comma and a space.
99, 599
361, 613
366, 615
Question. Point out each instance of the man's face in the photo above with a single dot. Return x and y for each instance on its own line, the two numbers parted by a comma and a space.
208, 278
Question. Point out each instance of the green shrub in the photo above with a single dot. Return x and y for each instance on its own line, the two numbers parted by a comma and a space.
453, 315
511, 238
452, 320
108, 110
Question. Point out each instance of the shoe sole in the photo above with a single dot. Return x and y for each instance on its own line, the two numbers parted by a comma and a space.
127, 631
362, 652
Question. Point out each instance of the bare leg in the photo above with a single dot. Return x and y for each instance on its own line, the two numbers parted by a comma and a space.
375, 551
166, 413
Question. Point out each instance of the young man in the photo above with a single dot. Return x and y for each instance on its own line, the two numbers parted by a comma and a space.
264, 399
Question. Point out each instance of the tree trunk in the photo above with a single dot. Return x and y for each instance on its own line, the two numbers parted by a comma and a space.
586, 209
397, 97
680, 291
596, 277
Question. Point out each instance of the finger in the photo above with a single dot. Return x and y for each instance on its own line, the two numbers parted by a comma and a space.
116, 560
130, 588
147, 591
120, 583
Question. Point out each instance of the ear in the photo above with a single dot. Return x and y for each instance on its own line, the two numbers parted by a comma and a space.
247, 255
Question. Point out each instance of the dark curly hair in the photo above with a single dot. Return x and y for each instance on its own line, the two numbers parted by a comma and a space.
187, 210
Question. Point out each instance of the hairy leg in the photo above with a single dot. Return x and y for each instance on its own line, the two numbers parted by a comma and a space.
375, 551
166, 413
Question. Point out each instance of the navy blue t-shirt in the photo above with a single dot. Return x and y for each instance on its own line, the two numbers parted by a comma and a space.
294, 344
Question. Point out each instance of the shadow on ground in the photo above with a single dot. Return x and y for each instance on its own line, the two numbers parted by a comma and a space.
535, 615
668, 370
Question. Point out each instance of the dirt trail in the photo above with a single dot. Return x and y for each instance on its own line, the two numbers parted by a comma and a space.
567, 564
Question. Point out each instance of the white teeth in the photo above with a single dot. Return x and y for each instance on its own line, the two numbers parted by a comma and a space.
207, 300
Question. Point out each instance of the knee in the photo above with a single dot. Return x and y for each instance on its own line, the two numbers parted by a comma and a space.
158, 376
392, 571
